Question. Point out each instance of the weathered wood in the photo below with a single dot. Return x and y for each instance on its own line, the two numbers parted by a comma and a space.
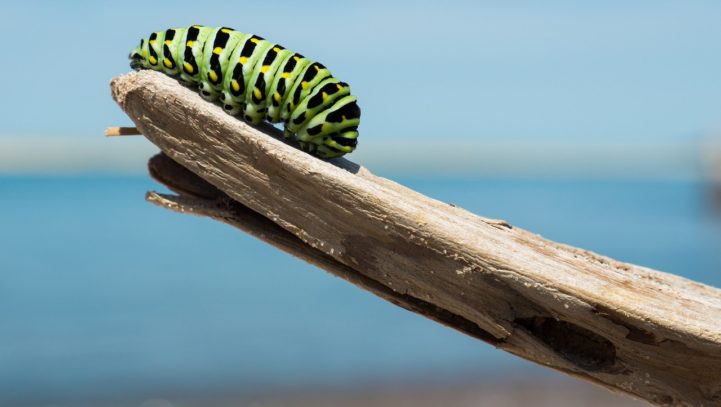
650, 334
198, 197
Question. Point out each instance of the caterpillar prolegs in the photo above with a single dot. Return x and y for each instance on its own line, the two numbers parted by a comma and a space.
259, 80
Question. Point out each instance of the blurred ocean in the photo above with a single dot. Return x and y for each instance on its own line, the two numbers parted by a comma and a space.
103, 295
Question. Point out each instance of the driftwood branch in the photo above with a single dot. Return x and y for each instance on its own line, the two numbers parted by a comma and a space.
631, 329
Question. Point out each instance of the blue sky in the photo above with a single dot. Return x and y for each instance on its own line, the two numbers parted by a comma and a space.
452, 70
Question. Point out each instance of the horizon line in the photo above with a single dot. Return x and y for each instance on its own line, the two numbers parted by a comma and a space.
668, 159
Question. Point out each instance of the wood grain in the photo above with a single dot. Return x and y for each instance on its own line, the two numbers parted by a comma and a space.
629, 328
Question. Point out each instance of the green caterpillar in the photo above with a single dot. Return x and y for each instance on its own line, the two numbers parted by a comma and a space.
260, 80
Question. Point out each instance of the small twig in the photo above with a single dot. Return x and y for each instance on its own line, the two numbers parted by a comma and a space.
122, 131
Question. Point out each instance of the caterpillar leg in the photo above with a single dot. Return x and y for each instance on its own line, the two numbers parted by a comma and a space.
207, 92
337, 144
334, 145
229, 105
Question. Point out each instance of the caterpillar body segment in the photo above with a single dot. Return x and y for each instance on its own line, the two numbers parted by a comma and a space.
258, 80
283, 81
321, 98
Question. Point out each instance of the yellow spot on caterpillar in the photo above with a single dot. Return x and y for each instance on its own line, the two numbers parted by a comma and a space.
276, 97
276, 49
254, 40
264, 68
152, 60
285, 75
168, 64
188, 68
168, 42
339, 87
213, 76
304, 84
189, 44
235, 85
196, 26
256, 93
243, 60
317, 68
296, 59
217, 50
151, 41
325, 96
225, 30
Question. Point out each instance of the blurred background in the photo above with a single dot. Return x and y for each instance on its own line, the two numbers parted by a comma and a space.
593, 124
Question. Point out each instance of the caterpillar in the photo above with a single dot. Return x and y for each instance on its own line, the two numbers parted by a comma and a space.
259, 80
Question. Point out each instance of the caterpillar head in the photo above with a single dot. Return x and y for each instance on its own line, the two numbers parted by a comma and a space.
137, 60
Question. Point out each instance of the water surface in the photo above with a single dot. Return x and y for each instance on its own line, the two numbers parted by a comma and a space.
102, 293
